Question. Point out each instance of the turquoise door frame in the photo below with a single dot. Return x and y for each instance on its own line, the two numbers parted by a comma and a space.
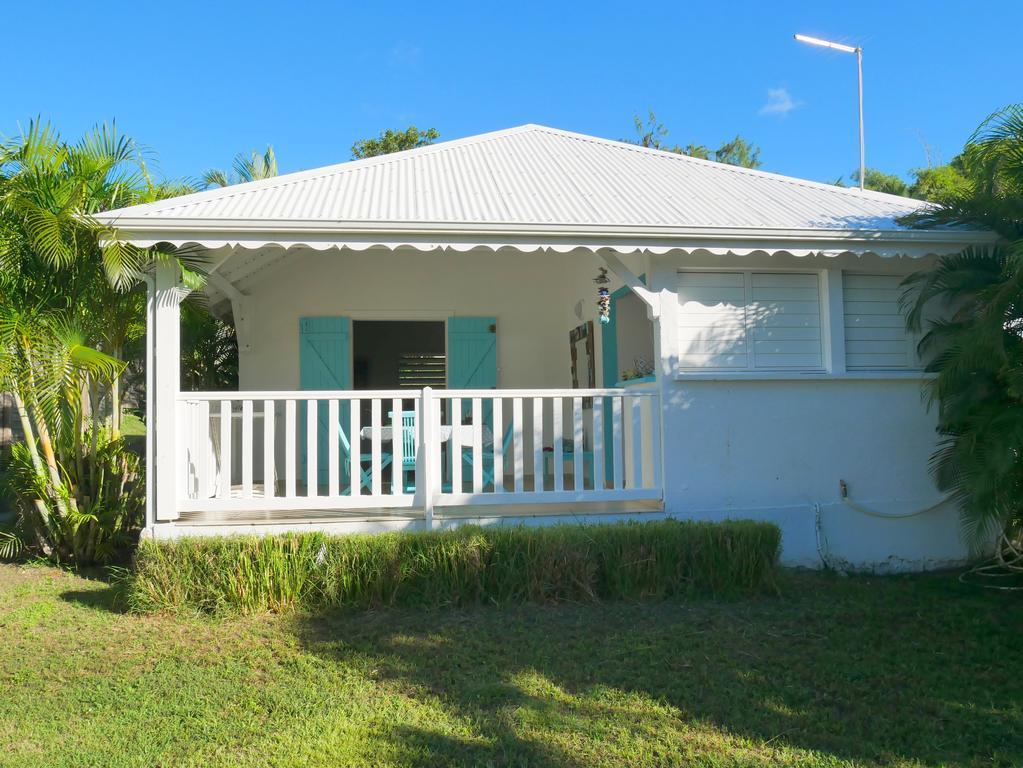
610, 371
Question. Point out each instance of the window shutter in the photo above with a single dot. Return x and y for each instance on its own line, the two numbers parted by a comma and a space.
783, 319
749, 320
711, 320
875, 330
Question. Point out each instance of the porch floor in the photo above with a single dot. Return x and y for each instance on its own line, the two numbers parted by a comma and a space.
461, 512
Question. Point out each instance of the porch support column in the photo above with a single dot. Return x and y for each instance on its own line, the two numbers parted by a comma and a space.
166, 293
663, 276
661, 311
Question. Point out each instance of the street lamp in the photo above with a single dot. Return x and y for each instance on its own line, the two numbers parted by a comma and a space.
859, 71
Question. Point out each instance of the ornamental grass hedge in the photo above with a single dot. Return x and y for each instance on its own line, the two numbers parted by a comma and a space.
465, 566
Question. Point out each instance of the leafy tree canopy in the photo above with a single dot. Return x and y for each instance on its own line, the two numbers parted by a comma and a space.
394, 141
879, 181
944, 182
738, 151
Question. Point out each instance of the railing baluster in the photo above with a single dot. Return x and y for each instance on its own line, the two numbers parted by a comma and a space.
247, 449
455, 452
290, 430
269, 450
477, 445
204, 486
518, 468
617, 447
557, 436
599, 481
538, 473
655, 438
225, 449
427, 457
397, 448
333, 450
637, 442
311, 443
497, 443
375, 425
578, 472
355, 441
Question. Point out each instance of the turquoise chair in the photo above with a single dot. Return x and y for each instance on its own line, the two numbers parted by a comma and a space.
488, 458
366, 479
409, 443
568, 455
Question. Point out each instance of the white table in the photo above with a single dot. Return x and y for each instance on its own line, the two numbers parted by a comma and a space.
462, 433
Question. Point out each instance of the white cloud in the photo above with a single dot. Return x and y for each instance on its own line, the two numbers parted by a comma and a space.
404, 54
779, 102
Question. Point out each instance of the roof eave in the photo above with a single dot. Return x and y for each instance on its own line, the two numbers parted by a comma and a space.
174, 228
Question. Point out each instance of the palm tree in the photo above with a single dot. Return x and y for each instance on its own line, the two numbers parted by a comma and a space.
250, 168
976, 350
66, 306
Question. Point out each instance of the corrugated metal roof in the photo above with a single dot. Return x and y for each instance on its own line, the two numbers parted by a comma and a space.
534, 175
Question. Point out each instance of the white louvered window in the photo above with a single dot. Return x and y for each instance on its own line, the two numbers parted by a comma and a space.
742, 321
875, 328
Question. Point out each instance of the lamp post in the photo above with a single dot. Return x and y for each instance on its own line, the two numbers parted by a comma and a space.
859, 72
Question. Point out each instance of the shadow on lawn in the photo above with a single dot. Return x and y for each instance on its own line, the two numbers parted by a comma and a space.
106, 592
872, 670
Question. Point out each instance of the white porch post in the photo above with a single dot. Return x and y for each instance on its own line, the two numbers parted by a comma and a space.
661, 311
165, 332
425, 481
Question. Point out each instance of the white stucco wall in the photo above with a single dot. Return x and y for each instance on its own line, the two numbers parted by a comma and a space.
773, 448
537, 299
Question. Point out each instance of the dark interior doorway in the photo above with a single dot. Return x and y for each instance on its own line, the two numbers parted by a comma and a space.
398, 354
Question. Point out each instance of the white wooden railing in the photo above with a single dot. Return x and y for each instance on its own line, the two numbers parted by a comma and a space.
335, 450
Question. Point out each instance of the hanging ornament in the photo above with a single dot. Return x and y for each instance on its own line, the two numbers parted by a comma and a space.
603, 296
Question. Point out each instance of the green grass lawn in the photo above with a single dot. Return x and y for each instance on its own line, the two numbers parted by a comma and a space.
903, 671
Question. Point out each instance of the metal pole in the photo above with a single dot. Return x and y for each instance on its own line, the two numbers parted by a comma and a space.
859, 72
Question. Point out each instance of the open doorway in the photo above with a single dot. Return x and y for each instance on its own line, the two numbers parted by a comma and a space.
398, 354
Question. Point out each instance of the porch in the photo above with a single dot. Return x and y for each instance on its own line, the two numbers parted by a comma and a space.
416, 455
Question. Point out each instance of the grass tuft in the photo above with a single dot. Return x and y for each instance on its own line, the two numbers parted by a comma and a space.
461, 567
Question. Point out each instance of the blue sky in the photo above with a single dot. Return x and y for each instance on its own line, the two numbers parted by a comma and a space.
198, 82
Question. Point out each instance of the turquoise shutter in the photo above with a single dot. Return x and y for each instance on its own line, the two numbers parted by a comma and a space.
472, 353
324, 354
472, 357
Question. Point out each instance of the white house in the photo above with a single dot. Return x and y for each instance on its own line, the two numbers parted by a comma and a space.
421, 345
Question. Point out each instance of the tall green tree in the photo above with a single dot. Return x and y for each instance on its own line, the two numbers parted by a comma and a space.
654, 135
879, 181
941, 182
976, 349
394, 141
